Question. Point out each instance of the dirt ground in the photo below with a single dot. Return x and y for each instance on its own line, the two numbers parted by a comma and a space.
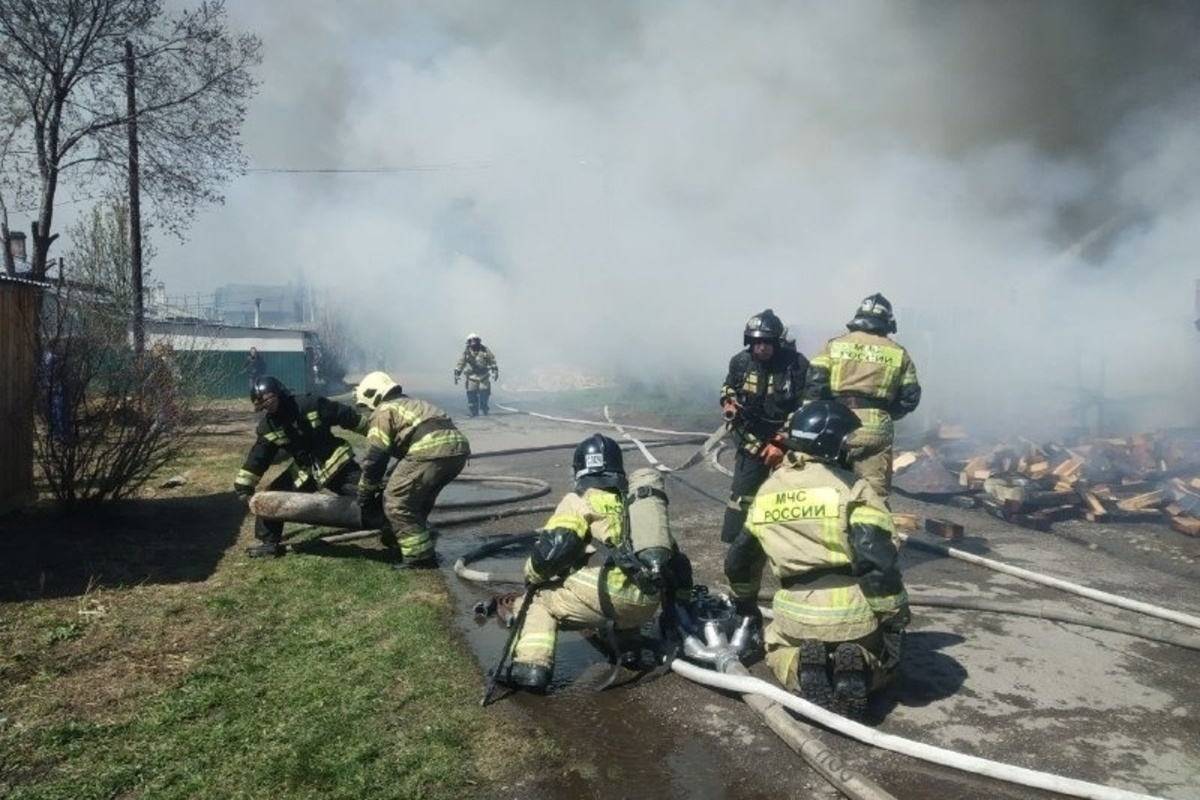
1096, 705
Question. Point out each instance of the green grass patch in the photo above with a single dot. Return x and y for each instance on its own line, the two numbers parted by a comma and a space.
338, 680
298, 677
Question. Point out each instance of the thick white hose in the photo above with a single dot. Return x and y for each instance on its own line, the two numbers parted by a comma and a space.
1067, 586
934, 755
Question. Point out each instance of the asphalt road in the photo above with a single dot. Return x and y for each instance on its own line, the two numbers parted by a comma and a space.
1105, 707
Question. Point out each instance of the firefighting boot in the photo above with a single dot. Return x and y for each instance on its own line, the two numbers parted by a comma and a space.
849, 682
533, 677
266, 549
270, 536
411, 564
813, 672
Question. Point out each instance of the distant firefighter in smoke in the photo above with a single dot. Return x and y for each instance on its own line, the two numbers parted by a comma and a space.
478, 365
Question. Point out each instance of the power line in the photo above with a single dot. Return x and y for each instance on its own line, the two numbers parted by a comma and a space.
371, 170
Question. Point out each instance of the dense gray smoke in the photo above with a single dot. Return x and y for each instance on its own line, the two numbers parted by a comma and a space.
598, 184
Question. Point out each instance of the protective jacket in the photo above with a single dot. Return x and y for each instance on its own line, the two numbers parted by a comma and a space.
829, 539
302, 427
766, 391
869, 372
477, 365
404, 427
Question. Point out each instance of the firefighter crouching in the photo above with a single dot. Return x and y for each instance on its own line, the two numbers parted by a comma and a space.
761, 389
302, 428
430, 453
625, 521
873, 375
478, 365
840, 616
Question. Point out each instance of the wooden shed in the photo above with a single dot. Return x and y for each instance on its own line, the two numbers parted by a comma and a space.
19, 299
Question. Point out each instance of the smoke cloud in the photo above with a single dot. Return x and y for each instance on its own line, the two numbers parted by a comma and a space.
618, 186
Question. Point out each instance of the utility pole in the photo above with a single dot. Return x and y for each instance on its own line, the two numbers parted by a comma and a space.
135, 207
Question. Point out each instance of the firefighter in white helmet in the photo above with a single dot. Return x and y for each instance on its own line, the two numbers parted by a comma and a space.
430, 453
478, 365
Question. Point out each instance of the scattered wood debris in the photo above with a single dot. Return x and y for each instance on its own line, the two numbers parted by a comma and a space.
1148, 477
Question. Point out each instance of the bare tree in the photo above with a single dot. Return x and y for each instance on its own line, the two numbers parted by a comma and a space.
62, 87
108, 418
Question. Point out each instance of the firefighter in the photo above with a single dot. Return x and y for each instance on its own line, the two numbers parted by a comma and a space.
842, 609
623, 519
874, 376
761, 389
478, 364
430, 453
301, 426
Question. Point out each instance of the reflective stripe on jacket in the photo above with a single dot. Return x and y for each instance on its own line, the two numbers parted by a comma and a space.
869, 366
406, 427
799, 523
302, 427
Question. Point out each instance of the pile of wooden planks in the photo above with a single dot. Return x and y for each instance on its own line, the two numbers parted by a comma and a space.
1149, 477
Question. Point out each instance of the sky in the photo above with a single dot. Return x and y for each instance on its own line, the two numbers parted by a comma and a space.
615, 188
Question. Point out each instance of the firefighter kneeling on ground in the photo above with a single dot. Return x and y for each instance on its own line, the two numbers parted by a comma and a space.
625, 521
840, 616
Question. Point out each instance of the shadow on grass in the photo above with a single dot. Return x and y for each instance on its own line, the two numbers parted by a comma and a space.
44, 554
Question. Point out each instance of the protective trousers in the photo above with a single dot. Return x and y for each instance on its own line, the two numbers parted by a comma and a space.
870, 452
344, 482
575, 604
409, 497
479, 391
749, 472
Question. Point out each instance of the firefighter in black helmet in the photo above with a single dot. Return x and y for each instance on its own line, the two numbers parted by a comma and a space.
625, 518
839, 617
301, 426
761, 389
873, 376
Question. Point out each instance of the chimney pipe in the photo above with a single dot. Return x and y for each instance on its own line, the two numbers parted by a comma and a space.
16, 245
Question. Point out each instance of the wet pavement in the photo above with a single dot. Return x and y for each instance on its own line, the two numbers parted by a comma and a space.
1099, 706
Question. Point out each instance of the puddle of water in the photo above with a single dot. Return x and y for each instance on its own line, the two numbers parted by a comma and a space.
617, 747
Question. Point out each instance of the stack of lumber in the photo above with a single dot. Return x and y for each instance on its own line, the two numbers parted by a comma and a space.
1149, 477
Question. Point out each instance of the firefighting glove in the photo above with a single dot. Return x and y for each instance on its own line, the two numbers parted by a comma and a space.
749, 608
772, 453
496, 375
729, 409
370, 509
244, 493
457, 375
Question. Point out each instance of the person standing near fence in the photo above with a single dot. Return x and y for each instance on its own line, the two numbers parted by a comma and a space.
255, 367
